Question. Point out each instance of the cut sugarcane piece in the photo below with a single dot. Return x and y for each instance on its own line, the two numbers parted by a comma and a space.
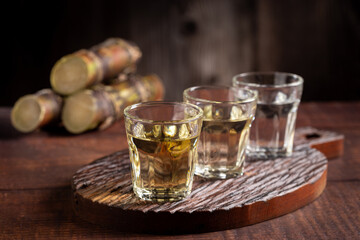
33, 111
26, 114
82, 111
85, 68
100, 106
70, 74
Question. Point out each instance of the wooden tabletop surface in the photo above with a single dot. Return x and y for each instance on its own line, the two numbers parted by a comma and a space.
36, 168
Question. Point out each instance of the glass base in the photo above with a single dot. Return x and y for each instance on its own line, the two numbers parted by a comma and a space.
212, 173
267, 153
161, 194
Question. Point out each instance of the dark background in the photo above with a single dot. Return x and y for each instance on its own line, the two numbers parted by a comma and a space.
191, 42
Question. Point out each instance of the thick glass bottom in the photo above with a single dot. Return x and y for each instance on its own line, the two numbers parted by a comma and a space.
208, 172
161, 194
263, 153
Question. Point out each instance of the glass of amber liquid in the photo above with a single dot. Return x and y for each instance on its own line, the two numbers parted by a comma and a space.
163, 139
228, 114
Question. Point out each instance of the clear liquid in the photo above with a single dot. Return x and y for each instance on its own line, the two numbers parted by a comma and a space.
162, 169
272, 132
222, 148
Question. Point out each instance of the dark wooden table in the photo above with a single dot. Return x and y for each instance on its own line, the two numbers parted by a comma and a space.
35, 193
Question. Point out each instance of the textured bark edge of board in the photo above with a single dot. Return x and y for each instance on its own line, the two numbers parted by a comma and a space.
197, 222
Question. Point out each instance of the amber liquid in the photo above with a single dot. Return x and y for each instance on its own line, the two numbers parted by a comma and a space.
162, 169
222, 148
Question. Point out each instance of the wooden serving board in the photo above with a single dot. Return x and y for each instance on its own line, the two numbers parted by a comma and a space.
102, 192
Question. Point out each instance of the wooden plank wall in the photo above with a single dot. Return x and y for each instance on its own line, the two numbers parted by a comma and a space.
192, 42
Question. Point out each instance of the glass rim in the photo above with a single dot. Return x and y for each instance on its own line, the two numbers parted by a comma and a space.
199, 115
247, 100
299, 81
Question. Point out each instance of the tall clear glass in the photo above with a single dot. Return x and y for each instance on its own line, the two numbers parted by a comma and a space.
279, 94
228, 113
163, 140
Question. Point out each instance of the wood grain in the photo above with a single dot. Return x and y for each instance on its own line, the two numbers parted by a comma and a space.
48, 214
103, 194
36, 171
331, 144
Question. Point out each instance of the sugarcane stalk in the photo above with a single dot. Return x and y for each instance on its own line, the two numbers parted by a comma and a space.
33, 111
102, 105
85, 68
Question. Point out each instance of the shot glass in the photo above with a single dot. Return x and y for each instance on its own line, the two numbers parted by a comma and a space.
279, 94
163, 140
228, 113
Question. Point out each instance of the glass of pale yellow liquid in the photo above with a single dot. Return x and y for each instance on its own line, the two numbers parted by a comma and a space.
163, 139
228, 114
